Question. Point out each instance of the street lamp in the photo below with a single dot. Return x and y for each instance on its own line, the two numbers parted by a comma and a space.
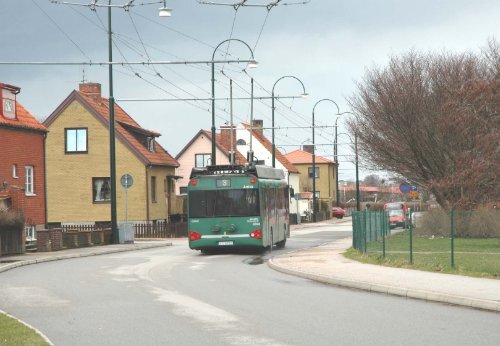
164, 11
251, 63
314, 156
112, 152
355, 163
335, 158
304, 94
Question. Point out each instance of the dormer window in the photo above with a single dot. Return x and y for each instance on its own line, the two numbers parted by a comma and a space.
151, 144
241, 142
8, 94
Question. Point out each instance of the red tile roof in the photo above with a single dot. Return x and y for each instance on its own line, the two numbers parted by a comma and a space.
124, 128
24, 120
269, 146
301, 156
240, 159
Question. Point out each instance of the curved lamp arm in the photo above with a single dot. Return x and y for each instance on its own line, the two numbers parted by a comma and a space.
254, 62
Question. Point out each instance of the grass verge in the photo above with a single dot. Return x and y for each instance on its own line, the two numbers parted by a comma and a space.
14, 333
473, 257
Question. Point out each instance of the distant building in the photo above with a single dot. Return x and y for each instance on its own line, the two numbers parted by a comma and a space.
197, 153
325, 174
22, 169
78, 168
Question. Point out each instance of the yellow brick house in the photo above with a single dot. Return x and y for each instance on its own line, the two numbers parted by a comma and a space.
77, 164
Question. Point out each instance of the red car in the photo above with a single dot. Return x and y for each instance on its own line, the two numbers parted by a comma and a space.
338, 212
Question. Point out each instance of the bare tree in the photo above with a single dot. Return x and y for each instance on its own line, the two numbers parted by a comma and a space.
434, 119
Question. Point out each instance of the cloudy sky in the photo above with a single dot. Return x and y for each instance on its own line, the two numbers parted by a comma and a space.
327, 44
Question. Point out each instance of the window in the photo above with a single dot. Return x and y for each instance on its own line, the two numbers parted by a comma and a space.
153, 189
241, 142
202, 160
101, 190
317, 194
151, 144
76, 140
223, 203
30, 233
14, 171
309, 172
28, 182
183, 190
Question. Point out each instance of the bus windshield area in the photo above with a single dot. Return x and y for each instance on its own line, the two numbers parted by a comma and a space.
395, 212
223, 203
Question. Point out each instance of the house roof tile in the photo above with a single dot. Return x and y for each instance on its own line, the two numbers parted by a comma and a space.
269, 146
301, 156
24, 120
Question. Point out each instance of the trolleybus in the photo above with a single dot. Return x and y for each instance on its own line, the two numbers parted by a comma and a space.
237, 207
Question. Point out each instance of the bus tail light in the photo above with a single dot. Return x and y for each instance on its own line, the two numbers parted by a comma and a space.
253, 180
194, 182
193, 235
256, 234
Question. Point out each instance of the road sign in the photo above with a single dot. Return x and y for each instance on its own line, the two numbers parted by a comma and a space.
127, 181
414, 188
404, 187
414, 194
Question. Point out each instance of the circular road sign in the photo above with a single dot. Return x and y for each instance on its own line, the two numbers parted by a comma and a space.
404, 187
127, 181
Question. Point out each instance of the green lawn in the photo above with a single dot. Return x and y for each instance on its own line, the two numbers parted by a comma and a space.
13, 333
473, 257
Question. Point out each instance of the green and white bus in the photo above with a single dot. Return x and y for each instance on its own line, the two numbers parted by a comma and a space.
237, 207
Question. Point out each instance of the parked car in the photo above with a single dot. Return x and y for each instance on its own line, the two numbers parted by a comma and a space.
338, 212
397, 218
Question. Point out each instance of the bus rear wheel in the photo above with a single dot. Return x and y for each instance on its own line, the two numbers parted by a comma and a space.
281, 244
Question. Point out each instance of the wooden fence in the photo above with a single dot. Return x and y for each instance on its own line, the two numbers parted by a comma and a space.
161, 230
79, 228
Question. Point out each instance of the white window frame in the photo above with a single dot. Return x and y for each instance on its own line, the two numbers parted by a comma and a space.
14, 171
30, 232
29, 180
205, 158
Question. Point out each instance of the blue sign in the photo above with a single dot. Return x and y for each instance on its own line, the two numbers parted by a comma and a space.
404, 187
414, 188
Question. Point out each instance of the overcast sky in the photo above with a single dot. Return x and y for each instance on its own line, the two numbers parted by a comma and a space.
327, 44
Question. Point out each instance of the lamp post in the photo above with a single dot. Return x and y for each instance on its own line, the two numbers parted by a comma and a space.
251, 63
314, 155
112, 152
304, 94
356, 164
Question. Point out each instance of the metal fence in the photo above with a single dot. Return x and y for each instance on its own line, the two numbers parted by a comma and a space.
457, 241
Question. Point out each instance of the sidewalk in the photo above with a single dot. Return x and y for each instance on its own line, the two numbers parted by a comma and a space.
327, 264
15, 261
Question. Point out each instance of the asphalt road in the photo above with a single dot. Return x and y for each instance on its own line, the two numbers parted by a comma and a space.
175, 296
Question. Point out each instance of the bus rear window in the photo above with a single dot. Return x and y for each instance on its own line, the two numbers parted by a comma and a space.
221, 203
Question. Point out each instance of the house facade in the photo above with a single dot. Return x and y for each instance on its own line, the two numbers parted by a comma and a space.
22, 168
197, 153
325, 174
78, 168
262, 149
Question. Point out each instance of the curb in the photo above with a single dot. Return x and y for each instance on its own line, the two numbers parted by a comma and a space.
45, 338
77, 255
490, 305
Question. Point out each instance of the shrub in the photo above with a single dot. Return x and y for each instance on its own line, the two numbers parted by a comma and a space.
11, 220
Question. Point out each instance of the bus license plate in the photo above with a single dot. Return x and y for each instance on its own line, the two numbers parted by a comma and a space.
225, 243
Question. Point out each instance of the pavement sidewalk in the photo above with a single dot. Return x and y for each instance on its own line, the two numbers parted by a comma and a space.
327, 264
15, 261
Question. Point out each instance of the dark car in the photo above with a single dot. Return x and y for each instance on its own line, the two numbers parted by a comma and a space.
338, 212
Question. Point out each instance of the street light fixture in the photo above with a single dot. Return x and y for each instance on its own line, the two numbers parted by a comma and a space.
252, 63
164, 11
304, 94
314, 156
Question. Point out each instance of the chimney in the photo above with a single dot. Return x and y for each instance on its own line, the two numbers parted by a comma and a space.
308, 148
93, 90
258, 125
225, 136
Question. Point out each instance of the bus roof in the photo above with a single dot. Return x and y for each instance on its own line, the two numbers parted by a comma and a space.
264, 172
